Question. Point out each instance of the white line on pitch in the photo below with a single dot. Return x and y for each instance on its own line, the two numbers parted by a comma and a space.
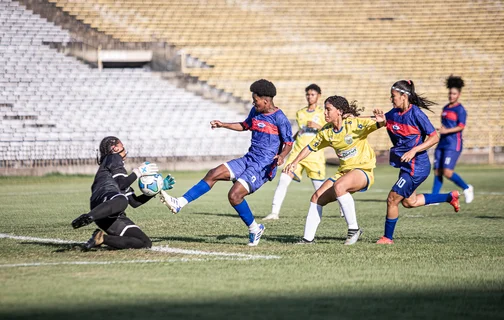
156, 248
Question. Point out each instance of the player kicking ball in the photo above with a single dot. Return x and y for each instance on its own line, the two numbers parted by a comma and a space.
348, 137
270, 144
111, 195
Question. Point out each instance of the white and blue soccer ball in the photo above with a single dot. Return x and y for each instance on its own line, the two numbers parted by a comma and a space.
151, 185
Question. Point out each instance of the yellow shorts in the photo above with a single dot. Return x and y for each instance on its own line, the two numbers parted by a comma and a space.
314, 170
368, 172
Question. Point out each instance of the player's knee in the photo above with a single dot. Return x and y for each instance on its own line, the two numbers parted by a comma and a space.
447, 173
147, 242
391, 201
211, 174
340, 189
314, 198
407, 204
234, 197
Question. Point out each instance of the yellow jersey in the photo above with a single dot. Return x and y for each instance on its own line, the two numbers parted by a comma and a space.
350, 143
305, 134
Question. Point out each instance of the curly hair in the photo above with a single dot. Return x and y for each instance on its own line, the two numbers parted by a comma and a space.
263, 88
454, 82
342, 104
313, 87
408, 87
106, 146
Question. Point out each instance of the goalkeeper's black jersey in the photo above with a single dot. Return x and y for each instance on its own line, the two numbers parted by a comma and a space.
104, 182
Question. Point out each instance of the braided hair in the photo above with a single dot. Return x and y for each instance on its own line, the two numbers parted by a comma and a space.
454, 82
106, 146
342, 104
408, 87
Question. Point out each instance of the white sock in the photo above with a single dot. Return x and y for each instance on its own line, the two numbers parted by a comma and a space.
348, 205
280, 192
254, 227
182, 201
312, 221
317, 184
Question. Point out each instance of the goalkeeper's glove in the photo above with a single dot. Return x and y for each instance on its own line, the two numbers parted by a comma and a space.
146, 169
168, 182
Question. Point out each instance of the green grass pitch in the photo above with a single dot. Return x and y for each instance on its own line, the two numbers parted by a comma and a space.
444, 265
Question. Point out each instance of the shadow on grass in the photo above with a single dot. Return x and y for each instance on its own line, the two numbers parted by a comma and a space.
60, 247
435, 304
216, 214
296, 238
489, 217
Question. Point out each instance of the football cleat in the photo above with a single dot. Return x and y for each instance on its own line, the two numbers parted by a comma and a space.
95, 240
353, 236
385, 240
255, 237
170, 202
81, 221
304, 241
469, 194
271, 216
455, 200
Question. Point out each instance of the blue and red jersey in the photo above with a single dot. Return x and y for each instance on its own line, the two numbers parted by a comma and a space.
452, 117
407, 130
270, 131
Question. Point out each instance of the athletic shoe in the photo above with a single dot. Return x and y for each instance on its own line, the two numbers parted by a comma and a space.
95, 240
353, 236
271, 216
255, 237
304, 241
385, 240
469, 194
81, 221
455, 200
170, 202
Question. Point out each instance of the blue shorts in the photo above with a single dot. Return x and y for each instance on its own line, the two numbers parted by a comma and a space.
446, 159
407, 184
251, 172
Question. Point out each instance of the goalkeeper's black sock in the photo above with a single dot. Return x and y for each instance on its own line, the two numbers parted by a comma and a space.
109, 208
133, 238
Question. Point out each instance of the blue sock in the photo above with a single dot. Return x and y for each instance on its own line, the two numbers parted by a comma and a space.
389, 227
197, 191
437, 198
458, 181
243, 210
438, 183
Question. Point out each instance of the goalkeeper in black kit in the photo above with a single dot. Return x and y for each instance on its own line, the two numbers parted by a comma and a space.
111, 194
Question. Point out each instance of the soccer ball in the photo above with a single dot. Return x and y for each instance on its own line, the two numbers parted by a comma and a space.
151, 185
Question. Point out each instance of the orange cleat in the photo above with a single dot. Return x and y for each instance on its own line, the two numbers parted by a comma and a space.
385, 240
455, 200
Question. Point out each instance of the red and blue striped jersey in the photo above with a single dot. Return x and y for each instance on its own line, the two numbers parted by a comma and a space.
270, 131
452, 117
407, 130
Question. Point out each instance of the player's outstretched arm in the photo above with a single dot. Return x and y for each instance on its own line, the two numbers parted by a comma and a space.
291, 167
235, 126
285, 151
379, 117
136, 201
430, 141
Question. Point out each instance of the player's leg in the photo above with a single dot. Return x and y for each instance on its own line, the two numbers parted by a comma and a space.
352, 181
223, 172
241, 188
117, 203
417, 200
280, 192
121, 233
321, 197
438, 171
449, 173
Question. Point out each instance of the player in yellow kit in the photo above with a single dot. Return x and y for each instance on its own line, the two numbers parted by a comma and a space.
310, 120
348, 137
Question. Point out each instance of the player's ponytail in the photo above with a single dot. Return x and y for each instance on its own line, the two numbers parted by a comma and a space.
342, 104
105, 148
408, 87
